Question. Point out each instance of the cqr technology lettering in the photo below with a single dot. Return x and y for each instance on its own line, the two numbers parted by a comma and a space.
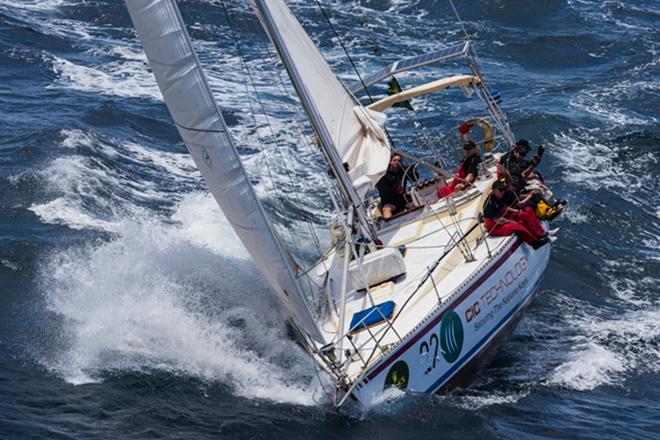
492, 293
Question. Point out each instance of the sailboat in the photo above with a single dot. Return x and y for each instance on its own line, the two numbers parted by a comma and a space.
420, 302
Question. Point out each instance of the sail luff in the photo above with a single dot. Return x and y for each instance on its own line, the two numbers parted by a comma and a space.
342, 125
325, 138
346, 131
200, 123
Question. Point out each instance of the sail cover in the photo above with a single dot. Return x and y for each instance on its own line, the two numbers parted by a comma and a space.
201, 126
351, 128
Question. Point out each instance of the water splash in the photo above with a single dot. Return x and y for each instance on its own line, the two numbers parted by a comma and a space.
154, 299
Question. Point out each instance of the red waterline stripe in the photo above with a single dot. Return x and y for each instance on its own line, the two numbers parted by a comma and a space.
453, 305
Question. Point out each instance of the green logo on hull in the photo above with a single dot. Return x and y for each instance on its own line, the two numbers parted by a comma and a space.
398, 376
451, 336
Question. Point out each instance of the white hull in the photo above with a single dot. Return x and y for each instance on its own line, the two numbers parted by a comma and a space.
436, 353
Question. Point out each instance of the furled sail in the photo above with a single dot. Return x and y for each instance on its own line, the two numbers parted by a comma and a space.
349, 126
190, 101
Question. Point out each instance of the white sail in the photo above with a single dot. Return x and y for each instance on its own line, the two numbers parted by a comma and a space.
190, 101
351, 129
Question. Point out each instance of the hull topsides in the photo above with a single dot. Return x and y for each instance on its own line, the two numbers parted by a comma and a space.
452, 345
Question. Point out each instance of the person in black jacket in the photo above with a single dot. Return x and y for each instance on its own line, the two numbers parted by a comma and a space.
521, 177
391, 188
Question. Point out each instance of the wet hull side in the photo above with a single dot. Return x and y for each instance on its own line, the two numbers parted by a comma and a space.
463, 337
485, 356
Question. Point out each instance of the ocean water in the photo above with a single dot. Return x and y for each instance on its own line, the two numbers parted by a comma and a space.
129, 309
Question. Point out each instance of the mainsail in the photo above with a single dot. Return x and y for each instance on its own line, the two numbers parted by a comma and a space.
190, 101
356, 134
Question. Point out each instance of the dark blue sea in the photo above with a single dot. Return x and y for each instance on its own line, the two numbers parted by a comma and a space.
130, 310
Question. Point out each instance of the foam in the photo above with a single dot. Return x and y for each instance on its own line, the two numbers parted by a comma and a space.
384, 402
203, 224
597, 346
73, 138
67, 212
152, 300
38, 5
73, 180
476, 400
572, 344
128, 79
632, 288
592, 164
576, 212
39, 15
609, 349
88, 188
179, 165
589, 365
601, 101
10, 264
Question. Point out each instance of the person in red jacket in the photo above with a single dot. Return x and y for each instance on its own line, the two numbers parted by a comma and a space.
467, 171
502, 219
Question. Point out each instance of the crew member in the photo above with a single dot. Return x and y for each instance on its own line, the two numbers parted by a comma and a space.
519, 173
502, 220
514, 167
391, 188
467, 172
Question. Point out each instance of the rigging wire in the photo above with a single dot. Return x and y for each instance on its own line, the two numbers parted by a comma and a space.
460, 22
306, 141
458, 17
245, 71
425, 134
474, 52
348, 55
364, 86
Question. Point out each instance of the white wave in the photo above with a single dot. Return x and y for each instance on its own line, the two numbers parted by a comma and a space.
73, 180
574, 345
589, 365
389, 401
634, 286
39, 15
603, 348
37, 5
475, 400
125, 78
602, 101
179, 165
203, 224
152, 299
609, 349
609, 112
588, 162
90, 190
10, 264
576, 211
73, 138
68, 212
604, 13
122, 50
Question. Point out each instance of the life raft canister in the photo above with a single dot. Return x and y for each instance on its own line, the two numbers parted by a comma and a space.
484, 124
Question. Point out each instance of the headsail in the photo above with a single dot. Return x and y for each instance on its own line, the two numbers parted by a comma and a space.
202, 128
350, 127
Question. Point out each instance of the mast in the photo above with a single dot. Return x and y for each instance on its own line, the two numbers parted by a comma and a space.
351, 197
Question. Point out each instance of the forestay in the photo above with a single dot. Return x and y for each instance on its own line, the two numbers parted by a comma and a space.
200, 124
355, 132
